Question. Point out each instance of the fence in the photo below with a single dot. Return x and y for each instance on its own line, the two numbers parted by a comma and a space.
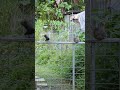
17, 63
102, 57
102, 67
67, 79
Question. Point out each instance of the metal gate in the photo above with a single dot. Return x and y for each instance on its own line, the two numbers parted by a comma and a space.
64, 67
68, 82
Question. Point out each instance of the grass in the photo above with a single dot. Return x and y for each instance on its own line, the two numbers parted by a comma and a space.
46, 71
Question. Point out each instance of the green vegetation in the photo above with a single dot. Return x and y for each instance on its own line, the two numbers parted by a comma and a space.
16, 58
55, 61
110, 18
107, 54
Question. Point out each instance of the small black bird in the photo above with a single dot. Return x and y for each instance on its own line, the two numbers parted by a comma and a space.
29, 30
46, 38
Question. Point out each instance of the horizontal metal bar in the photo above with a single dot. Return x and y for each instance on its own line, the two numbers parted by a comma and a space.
106, 84
104, 70
107, 55
107, 40
48, 42
16, 38
23, 38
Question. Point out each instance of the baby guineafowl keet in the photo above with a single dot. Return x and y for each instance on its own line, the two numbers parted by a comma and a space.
76, 40
99, 32
29, 30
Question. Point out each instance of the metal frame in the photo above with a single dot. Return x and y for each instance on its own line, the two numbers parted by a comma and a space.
16, 39
73, 56
93, 68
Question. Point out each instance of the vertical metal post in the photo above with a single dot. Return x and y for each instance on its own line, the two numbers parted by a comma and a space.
73, 65
50, 88
119, 65
93, 66
73, 53
61, 63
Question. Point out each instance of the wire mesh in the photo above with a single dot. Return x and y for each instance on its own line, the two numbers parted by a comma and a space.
60, 61
102, 62
16, 62
67, 72
16, 51
107, 66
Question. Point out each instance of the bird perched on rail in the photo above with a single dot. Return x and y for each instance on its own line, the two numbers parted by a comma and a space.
29, 30
99, 32
76, 39
46, 38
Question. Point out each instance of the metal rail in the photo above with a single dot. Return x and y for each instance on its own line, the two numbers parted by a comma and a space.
16, 38
73, 66
39, 42
107, 40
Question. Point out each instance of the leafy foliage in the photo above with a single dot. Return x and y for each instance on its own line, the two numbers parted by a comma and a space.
46, 11
16, 67
50, 58
110, 18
